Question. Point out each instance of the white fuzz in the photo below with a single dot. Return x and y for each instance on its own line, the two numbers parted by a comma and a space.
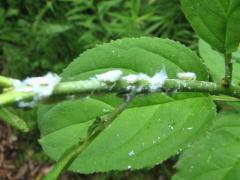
110, 76
157, 80
143, 76
131, 153
187, 76
131, 79
41, 86
16, 82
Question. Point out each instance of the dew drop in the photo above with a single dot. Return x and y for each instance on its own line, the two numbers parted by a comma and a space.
105, 110
131, 153
191, 168
170, 127
209, 159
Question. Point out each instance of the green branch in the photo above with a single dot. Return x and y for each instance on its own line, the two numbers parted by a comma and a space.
5, 82
14, 120
228, 70
71, 154
96, 86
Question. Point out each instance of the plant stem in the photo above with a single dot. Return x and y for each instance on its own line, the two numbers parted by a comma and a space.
71, 154
93, 85
228, 71
12, 119
13, 97
5, 82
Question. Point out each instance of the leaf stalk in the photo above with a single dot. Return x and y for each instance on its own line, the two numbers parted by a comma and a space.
228, 71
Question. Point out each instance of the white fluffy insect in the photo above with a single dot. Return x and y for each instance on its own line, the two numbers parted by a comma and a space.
131, 78
110, 76
157, 81
186, 76
41, 86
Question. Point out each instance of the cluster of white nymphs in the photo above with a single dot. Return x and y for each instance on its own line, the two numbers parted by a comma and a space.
42, 87
155, 82
186, 76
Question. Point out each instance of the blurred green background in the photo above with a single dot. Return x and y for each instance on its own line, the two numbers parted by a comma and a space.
38, 36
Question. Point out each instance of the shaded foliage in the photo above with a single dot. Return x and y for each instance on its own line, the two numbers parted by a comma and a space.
40, 36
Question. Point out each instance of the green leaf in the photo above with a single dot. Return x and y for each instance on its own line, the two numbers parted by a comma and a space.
13, 120
50, 29
215, 21
152, 133
133, 55
154, 127
234, 172
216, 155
215, 63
